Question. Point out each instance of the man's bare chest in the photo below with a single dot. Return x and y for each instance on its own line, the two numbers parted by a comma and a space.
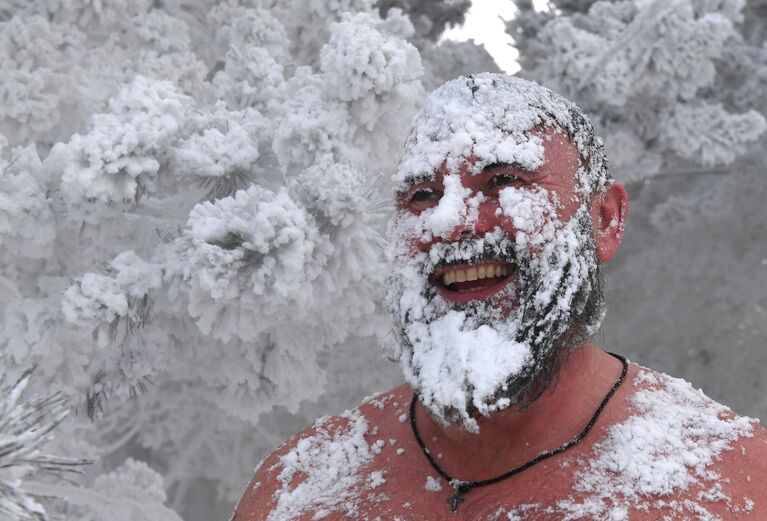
414, 491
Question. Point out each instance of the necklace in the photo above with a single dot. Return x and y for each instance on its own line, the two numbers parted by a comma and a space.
461, 487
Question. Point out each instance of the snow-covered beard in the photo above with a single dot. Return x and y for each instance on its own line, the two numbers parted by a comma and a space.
486, 356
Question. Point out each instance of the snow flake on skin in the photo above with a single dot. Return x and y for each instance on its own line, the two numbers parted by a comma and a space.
433, 484
377, 400
376, 479
519, 513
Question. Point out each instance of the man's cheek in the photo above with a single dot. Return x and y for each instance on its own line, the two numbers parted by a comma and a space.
416, 244
411, 233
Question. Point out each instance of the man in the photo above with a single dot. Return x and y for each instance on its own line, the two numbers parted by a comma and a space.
504, 212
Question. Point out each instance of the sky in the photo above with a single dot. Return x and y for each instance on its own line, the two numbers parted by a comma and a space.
485, 24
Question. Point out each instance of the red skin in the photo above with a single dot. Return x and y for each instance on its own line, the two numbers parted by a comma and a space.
511, 437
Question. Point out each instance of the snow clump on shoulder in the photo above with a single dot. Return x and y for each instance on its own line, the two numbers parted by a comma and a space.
664, 449
330, 465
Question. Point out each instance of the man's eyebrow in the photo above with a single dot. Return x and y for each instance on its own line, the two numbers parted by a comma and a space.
511, 166
420, 178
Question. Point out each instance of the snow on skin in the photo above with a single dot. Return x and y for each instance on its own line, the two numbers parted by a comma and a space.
328, 465
666, 448
477, 122
432, 484
489, 117
444, 364
452, 209
376, 479
678, 431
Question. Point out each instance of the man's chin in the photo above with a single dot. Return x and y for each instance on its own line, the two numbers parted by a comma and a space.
470, 417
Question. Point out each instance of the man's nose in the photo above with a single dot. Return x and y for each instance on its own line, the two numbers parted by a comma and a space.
488, 218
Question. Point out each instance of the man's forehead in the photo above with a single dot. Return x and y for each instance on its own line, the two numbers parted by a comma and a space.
487, 118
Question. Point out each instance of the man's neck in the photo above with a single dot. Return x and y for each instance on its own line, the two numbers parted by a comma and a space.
512, 437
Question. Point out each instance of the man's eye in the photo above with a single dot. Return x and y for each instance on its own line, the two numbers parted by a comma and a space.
423, 195
503, 179
419, 199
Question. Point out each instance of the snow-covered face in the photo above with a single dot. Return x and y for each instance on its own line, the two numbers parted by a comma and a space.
494, 273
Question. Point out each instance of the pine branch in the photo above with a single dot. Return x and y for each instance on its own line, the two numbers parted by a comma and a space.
24, 428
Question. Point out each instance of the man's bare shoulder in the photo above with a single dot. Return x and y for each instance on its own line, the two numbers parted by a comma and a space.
680, 454
328, 468
744, 472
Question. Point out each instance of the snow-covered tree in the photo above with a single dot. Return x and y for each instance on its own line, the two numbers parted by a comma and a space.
193, 196
192, 203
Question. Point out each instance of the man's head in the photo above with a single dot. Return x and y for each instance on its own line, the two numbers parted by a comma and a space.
504, 212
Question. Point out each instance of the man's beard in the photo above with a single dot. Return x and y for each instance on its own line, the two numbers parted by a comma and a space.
485, 356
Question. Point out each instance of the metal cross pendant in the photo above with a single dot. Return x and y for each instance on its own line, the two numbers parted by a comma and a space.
455, 500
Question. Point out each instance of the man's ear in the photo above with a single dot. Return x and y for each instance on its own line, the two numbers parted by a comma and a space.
608, 211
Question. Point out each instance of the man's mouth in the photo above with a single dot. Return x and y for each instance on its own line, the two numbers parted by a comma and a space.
462, 283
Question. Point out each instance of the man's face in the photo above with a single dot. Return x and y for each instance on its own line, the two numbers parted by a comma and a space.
495, 278
462, 283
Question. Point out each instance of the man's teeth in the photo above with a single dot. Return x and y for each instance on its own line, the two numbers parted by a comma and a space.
473, 273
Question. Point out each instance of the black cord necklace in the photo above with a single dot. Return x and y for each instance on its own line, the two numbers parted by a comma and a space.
462, 487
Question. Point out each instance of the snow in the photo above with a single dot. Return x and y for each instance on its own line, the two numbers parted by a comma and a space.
726, 135
433, 484
354, 71
452, 209
116, 161
217, 152
376, 479
678, 431
134, 139
655, 459
328, 465
26, 214
260, 233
